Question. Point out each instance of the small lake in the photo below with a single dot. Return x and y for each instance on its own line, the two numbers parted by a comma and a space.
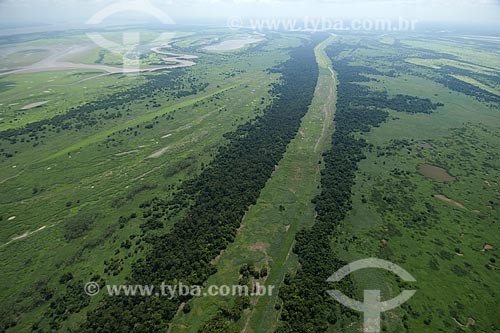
434, 172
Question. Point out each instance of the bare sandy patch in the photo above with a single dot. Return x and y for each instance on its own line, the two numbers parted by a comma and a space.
164, 150
159, 153
449, 201
126, 153
470, 322
487, 247
28, 233
34, 105
259, 246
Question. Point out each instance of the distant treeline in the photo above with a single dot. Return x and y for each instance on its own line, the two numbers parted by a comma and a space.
442, 75
219, 198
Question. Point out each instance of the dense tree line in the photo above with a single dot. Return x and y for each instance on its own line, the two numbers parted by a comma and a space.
219, 198
380, 99
306, 305
475, 75
466, 88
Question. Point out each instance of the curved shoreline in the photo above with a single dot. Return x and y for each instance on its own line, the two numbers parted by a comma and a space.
52, 64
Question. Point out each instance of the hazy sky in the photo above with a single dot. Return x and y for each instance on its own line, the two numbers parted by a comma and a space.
78, 11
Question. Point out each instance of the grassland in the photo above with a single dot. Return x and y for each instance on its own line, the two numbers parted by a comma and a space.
72, 199
444, 233
103, 172
133, 123
284, 207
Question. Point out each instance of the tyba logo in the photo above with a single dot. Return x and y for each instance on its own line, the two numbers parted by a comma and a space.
372, 306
